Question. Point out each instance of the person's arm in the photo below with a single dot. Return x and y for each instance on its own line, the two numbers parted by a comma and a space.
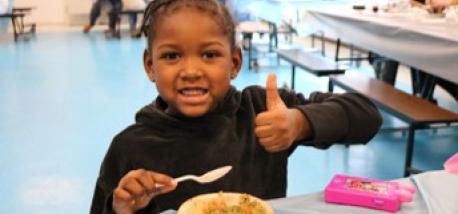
348, 118
123, 190
279, 126
111, 170
98, 205
113, 167
322, 120
418, 3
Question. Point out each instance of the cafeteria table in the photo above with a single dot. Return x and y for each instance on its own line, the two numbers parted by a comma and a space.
437, 193
412, 37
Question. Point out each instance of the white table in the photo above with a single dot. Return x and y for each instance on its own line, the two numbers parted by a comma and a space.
437, 193
247, 29
414, 38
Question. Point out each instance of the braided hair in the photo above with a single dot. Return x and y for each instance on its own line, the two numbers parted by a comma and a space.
156, 9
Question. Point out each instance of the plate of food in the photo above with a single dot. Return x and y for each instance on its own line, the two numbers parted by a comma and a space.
225, 203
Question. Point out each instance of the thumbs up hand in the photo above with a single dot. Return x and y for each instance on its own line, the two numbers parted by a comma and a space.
278, 127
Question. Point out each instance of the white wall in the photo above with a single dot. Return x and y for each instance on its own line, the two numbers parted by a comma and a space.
5, 22
78, 7
45, 12
78, 11
55, 11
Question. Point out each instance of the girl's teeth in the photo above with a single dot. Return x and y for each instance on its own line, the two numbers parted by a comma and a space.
193, 92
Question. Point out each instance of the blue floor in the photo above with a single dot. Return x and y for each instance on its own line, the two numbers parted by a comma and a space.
63, 96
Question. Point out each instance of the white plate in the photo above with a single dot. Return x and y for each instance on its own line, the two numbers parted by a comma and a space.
199, 204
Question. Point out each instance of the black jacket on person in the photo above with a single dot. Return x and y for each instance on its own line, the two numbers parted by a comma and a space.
176, 145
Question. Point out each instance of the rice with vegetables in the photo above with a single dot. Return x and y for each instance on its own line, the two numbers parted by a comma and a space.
246, 205
225, 203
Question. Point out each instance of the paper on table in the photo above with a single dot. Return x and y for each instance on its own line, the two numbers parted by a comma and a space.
439, 190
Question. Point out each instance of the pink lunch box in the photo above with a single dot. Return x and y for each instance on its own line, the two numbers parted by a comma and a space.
370, 193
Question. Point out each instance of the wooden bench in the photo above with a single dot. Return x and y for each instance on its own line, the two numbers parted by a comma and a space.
17, 20
310, 62
417, 112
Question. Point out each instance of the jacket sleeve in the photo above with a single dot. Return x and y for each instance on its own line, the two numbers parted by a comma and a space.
348, 118
101, 200
111, 171
114, 166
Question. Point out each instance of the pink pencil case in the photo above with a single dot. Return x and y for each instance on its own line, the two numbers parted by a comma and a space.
370, 193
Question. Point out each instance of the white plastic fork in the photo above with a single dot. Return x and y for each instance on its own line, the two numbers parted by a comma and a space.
208, 177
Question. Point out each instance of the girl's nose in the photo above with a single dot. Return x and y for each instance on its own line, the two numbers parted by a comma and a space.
191, 71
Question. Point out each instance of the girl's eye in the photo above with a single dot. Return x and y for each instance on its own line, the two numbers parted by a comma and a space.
170, 56
210, 54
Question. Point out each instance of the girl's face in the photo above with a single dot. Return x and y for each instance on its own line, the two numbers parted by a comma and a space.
191, 61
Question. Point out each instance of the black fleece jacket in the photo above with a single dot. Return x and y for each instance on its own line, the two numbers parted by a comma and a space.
176, 145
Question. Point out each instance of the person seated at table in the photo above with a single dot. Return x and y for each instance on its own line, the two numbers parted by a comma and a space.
134, 5
437, 6
200, 122
116, 7
442, 3
386, 70
420, 81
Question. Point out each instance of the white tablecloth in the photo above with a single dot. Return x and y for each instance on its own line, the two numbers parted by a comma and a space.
439, 190
314, 203
413, 38
437, 194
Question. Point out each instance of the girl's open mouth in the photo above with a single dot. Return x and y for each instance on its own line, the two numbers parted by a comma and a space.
193, 96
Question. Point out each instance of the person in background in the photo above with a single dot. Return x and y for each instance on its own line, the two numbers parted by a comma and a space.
116, 7
420, 77
386, 69
200, 122
436, 6
134, 5
441, 5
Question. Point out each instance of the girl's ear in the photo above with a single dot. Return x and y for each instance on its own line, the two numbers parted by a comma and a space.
236, 62
148, 65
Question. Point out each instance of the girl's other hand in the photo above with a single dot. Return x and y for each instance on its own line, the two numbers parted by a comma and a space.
137, 188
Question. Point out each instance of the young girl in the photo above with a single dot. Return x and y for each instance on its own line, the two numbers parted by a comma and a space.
200, 122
